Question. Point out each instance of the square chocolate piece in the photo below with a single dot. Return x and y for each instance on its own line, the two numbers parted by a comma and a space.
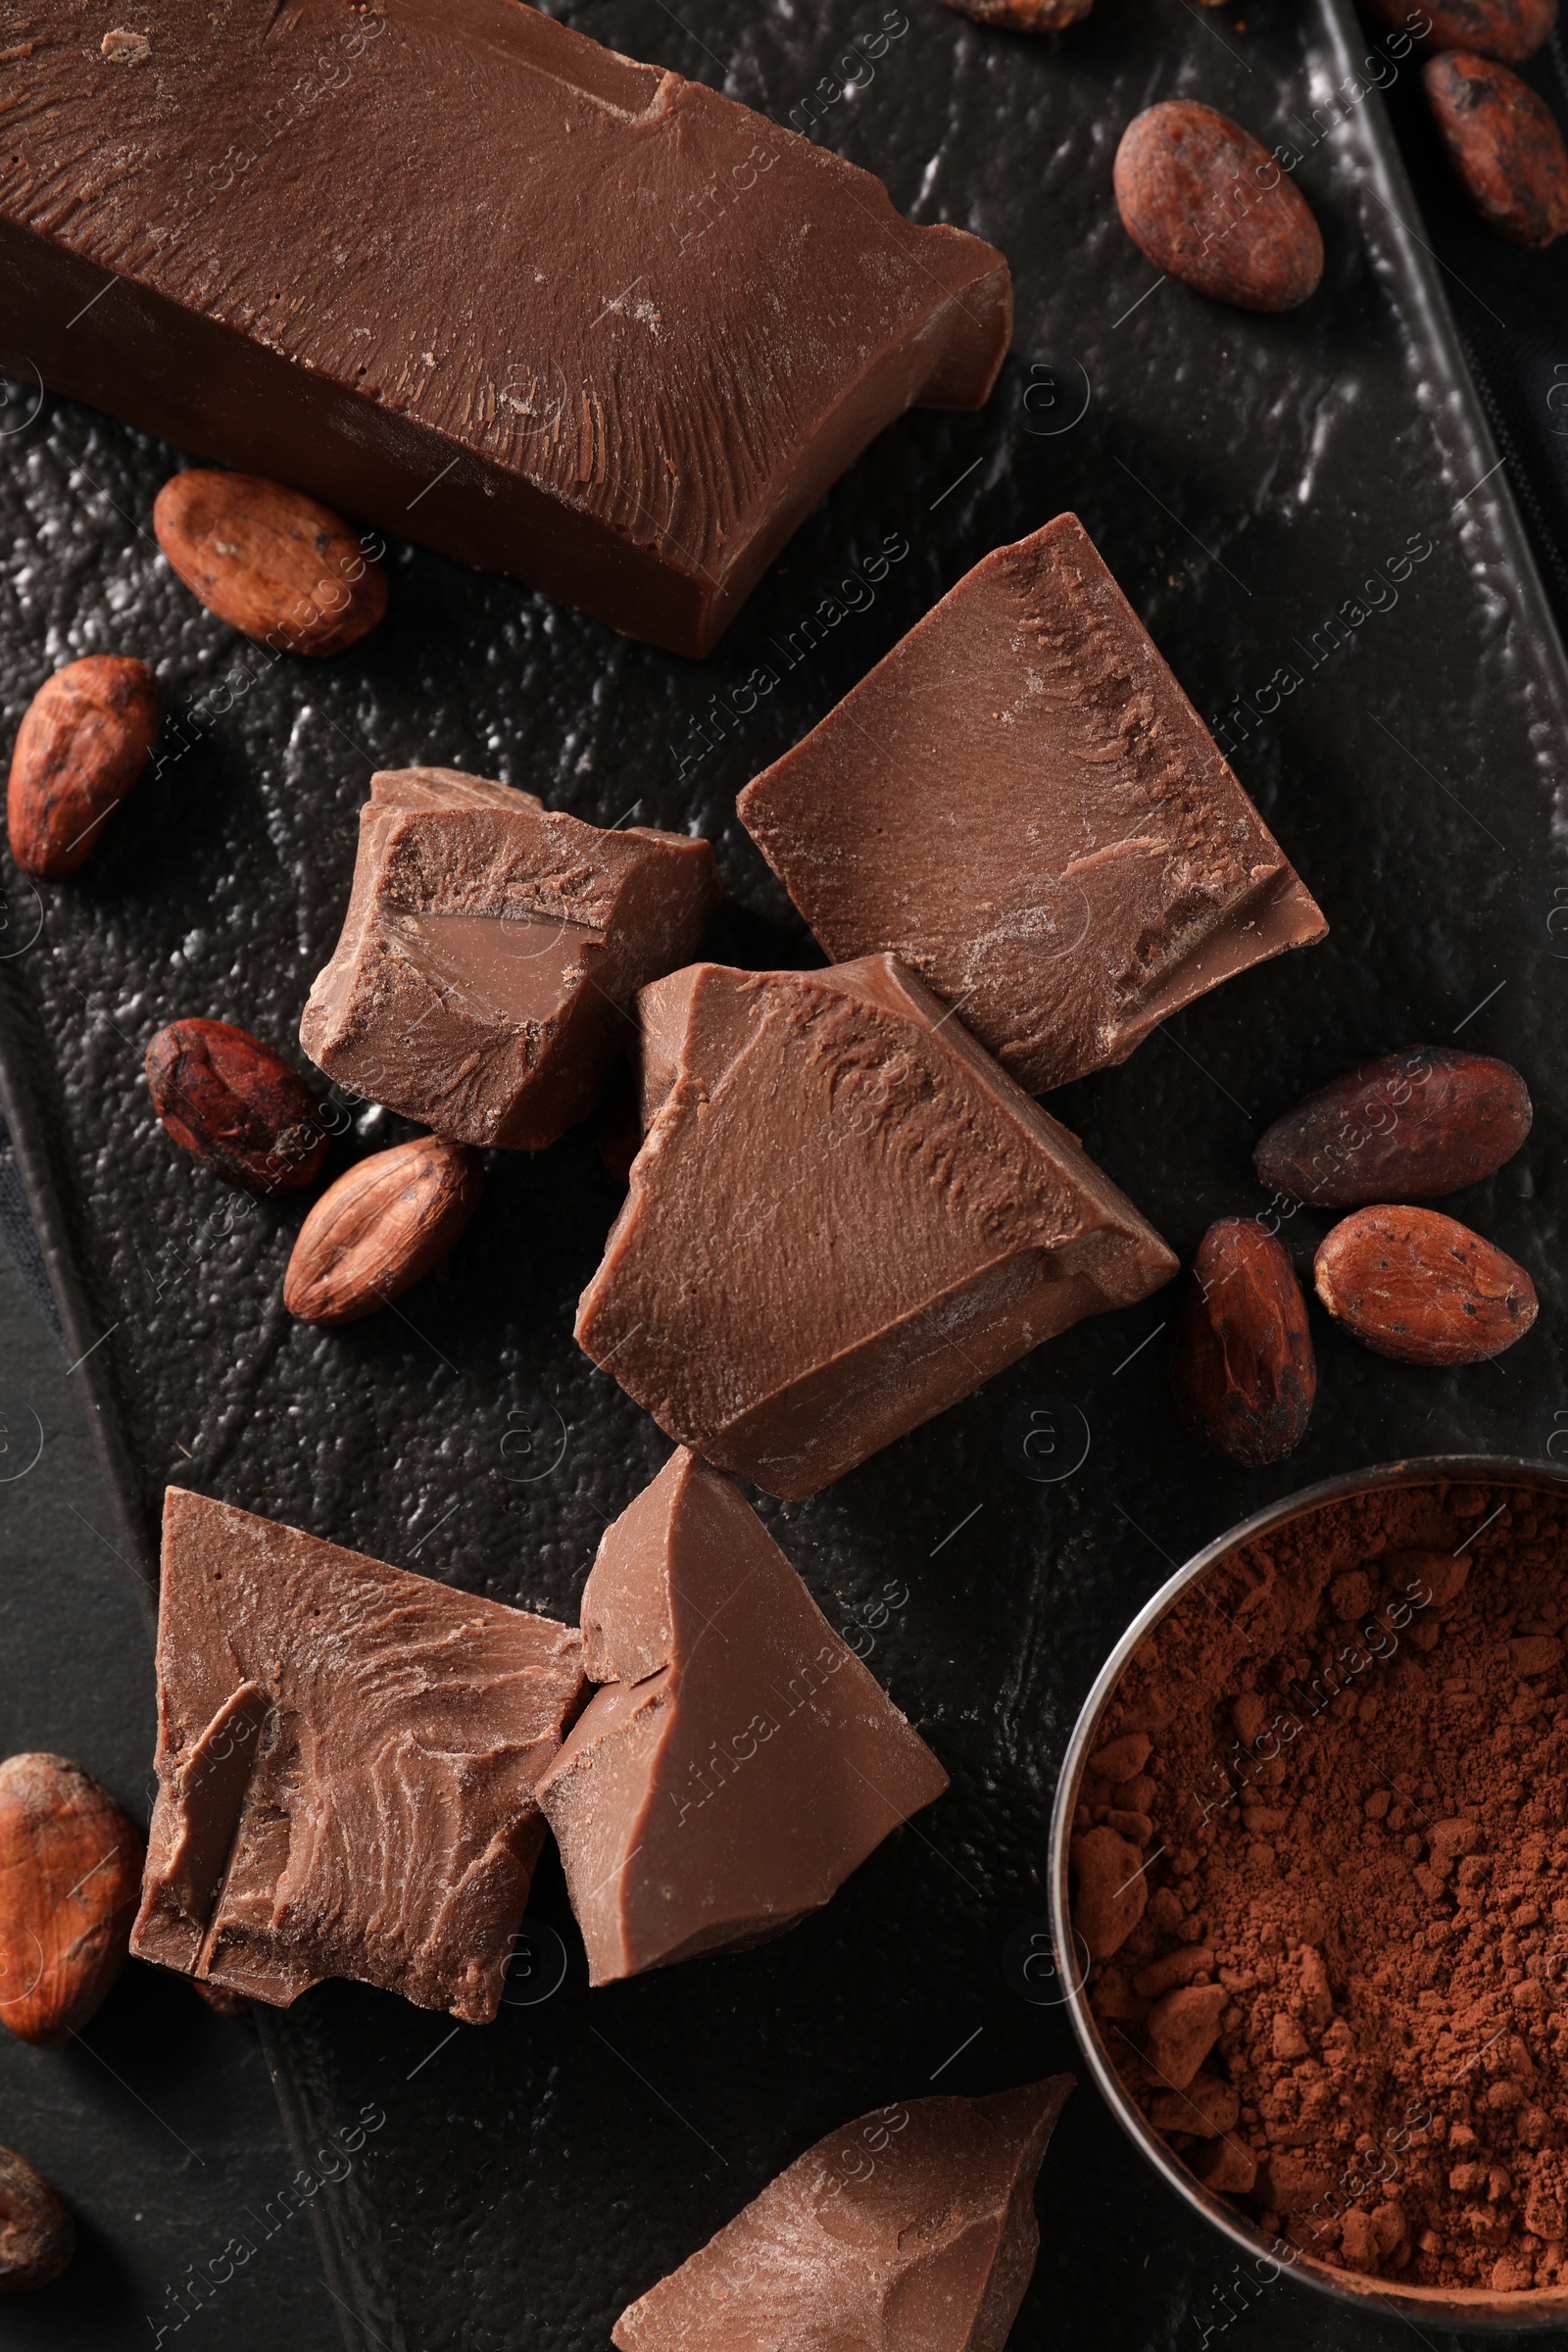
490, 952
1021, 802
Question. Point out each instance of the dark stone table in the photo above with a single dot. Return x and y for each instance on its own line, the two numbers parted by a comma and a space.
159, 2121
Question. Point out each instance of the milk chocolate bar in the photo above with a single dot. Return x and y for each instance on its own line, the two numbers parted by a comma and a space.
490, 951
460, 271
738, 1761
1022, 804
911, 2229
347, 1758
844, 1217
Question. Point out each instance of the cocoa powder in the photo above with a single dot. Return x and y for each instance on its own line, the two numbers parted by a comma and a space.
1320, 1858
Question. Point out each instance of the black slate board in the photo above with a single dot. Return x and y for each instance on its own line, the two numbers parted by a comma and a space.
1246, 478
1511, 308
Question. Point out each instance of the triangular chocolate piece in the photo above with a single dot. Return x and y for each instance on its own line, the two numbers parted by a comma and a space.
346, 1765
489, 954
1022, 804
739, 1760
912, 2230
844, 1217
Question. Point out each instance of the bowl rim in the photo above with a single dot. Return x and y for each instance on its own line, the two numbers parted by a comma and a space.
1478, 2308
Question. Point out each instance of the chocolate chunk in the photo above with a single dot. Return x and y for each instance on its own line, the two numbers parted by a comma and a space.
1022, 804
490, 950
844, 1217
460, 271
1183, 2028
912, 2227
739, 1761
346, 1764
1113, 1888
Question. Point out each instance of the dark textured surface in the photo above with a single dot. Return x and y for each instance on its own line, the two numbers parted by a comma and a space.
1243, 478
158, 2123
1512, 311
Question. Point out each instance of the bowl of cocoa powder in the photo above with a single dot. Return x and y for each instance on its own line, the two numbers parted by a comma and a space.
1310, 1853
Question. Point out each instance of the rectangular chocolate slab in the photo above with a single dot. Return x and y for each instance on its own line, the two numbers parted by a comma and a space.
463, 271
